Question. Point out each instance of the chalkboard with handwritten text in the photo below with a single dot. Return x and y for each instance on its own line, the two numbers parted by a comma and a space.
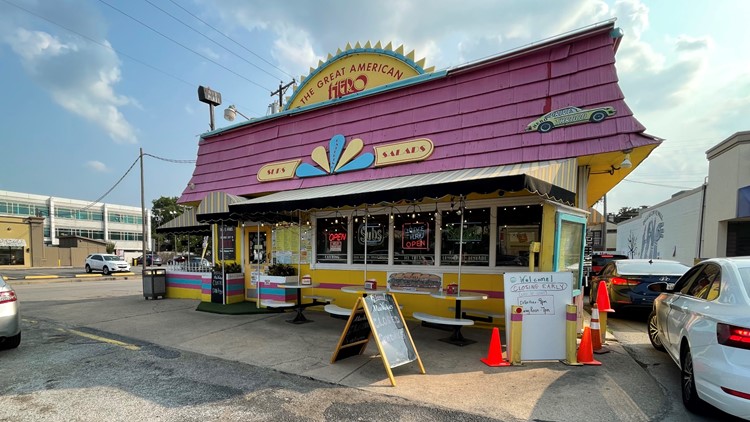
217, 287
378, 316
389, 327
543, 297
355, 337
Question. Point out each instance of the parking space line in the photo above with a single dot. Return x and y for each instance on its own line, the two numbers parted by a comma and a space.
104, 339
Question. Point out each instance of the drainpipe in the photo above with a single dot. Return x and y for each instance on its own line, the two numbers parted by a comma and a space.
703, 212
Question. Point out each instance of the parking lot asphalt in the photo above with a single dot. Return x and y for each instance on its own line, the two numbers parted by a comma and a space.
619, 389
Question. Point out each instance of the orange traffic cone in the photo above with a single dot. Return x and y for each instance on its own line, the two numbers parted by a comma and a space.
596, 337
495, 354
602, 298
586, 350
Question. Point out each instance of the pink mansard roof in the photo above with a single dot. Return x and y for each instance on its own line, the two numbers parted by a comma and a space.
475, 115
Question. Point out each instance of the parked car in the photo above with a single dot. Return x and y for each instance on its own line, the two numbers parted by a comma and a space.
10, 317
600, 259
106, 263
199, 264
151, 259
628, 281
703, 322
177, 260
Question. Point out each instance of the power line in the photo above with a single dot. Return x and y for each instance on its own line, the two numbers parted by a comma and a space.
113, 187
208, 38
231, 39
657, 184
184, 46
170, 160
109, 47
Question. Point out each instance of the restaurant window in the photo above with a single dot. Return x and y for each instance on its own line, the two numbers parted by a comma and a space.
376, 237
331, 240
517, 227
11, 255
476, 237
414, 238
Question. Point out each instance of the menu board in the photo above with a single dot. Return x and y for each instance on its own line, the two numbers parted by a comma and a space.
217, 287
355, 337
543, 297
227, 245
385, 323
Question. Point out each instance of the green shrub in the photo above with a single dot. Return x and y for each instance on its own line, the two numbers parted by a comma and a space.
282, 270
230, 268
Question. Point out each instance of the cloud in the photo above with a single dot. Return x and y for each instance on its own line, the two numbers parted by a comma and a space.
437, 32
689, 44
97, 166
79, 75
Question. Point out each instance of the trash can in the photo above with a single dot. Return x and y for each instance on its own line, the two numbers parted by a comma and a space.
154, 283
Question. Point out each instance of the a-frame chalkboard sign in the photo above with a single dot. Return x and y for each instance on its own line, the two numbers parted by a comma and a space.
378, 316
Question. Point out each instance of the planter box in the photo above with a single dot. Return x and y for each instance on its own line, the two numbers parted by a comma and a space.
276, 279
270, 289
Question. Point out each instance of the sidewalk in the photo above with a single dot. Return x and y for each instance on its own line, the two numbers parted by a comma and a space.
455, 377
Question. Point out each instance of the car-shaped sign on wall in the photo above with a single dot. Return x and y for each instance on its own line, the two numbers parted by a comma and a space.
569, 116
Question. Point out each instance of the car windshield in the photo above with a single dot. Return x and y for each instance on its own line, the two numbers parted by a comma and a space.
628, 266
111, 257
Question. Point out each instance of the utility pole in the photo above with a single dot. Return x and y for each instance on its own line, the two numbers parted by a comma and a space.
282, 89
144, 219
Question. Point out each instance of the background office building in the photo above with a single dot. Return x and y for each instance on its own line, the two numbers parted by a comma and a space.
37, 221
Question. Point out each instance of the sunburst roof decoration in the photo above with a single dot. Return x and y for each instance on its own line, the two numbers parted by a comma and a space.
353, 70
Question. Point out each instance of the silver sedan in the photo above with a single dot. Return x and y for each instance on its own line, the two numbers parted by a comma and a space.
703, 322
10, 317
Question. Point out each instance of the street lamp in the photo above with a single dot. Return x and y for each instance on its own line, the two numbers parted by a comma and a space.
231, 112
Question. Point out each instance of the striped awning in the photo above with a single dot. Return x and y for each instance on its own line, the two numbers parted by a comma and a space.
185, 223
215, 207
552, 179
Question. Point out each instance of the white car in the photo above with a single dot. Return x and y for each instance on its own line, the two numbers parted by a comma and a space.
703, 322
10, 317
106, 263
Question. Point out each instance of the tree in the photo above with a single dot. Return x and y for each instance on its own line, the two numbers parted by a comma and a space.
625, 213
164, 209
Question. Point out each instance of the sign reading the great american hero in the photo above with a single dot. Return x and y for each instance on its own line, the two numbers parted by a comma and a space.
355, 70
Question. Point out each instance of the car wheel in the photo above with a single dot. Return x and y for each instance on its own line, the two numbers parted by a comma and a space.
11, 342
545, 127
598, 116
88, 268
105, 270
687, 379
653, 333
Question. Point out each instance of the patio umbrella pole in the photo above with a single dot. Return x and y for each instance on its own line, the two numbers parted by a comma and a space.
460, 247
223, 264
257, 274
366, 235
299, 246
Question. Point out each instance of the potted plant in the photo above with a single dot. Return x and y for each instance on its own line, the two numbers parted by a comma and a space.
280, 273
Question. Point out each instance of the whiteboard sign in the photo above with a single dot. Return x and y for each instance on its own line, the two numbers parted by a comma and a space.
543, 297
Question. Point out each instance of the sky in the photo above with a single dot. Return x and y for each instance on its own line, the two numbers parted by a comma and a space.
89, 83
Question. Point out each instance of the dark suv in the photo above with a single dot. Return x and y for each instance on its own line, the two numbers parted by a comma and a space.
600, 259
151, 259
